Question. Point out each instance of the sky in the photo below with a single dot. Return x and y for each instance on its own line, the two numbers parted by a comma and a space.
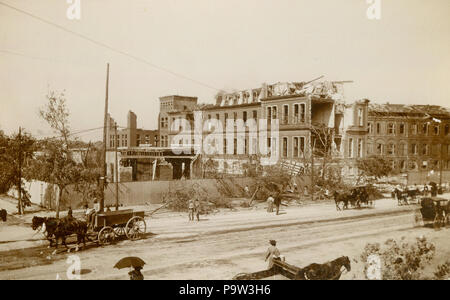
207, 45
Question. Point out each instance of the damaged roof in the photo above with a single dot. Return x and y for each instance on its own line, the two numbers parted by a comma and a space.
408, 110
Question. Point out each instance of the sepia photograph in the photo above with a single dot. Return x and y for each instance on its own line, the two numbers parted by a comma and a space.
213, 143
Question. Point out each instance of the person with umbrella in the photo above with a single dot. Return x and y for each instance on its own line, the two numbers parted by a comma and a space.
133, 262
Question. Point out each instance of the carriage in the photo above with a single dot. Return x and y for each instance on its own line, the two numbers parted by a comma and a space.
435, 210
110, 225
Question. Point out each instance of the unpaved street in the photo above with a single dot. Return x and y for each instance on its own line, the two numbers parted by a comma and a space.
223, 245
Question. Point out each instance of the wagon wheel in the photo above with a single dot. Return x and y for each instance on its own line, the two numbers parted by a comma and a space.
106, 235
135, 228
418, 219
119, 231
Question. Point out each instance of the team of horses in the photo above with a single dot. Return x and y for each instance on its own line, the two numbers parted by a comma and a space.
355, 197
59, 229
402, 196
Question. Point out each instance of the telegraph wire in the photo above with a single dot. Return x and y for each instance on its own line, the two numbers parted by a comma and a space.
104, 45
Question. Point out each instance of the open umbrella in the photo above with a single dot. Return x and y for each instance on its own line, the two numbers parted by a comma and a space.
130, 261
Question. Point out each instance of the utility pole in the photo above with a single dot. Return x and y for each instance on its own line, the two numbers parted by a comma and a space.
19, 187
103, 181
312, 170
116, 167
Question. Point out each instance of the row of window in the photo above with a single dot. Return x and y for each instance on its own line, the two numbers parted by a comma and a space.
419, 165
401, 149
298, 115
122, 140
164, 122
359, 148
393, 128
164, 141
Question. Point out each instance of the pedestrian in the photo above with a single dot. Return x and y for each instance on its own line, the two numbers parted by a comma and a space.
191, 210
270, 201
136, 274
69, 213
272, 253
277, 201
197, 209
247, 191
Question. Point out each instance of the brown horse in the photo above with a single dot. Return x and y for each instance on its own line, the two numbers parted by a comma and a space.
61, 228
328, 271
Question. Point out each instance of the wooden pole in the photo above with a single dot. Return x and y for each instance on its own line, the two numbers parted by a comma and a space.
19, 187
103, 181
116, 167
312, 170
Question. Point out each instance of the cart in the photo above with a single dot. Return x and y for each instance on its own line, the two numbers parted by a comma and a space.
108, 226
435, 210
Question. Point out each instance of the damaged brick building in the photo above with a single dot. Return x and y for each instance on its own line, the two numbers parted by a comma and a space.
415, 138
305, 111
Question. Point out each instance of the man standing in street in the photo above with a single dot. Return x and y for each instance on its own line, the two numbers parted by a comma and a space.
272, 252
270, 201
191, 210
197, 209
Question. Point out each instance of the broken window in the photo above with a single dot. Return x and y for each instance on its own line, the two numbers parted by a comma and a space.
285, 146
274, 112
360, 147
350, 147
360, 116
391, 149
285, 119
380, 149
436, 129
391, 128
402, 149
302, 112
414, 149
402, 165
401, 128
414, 128
425, 128
298, 146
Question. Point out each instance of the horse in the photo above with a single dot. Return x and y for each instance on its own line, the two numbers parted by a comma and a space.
331, 270
49, 226
61, 228
338, 198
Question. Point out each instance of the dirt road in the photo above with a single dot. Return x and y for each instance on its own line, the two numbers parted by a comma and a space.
223, 245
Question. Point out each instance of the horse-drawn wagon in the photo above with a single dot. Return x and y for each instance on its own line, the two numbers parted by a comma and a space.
107, 226
356, 196
433, 209
104, 228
